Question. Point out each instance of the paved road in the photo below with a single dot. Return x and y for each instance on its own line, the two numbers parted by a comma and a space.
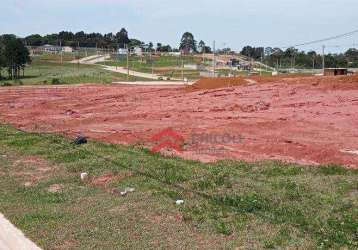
92, 59
101, 58
131, 72
156, 83
12, 238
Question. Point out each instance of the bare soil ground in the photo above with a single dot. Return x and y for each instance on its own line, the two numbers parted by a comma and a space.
307, 120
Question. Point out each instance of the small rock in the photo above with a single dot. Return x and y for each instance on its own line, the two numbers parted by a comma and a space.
28, 184
179, 202
126, 191
84, 176
129, 190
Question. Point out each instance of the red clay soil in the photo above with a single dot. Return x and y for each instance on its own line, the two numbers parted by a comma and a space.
310, 120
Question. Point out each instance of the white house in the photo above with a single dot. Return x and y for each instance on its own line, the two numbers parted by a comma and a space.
122, 51
138, 51
50, 48
67, 49
55, 49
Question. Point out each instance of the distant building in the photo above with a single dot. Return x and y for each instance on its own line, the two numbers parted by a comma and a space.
47, 48
122, 51
50, 48
67, 49
245, 65
138, 51
335, 71
186, 51
174, 54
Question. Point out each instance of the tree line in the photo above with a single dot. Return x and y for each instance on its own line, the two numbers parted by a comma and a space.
14, 56
292, 57
91, 40
113, 41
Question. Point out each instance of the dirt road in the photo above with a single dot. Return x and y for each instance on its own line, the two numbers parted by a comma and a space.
308, 121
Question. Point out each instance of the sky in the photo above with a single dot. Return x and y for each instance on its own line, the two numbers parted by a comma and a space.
231, 23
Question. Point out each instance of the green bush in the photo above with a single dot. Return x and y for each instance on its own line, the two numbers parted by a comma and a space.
56, 81
5, 84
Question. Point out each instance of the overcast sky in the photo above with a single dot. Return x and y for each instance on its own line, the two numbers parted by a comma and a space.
232, 22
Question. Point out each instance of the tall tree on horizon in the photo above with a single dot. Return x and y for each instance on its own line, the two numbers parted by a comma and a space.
202, 46
122, 38
188, 42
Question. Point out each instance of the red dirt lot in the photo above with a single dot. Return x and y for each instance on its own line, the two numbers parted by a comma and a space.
309, 120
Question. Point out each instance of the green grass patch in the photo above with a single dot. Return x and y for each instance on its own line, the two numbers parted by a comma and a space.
263, 205
47, 70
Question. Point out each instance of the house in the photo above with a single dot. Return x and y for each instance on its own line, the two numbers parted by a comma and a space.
67, 49
177, 54
122, 52
50, 48
138, 51
47, 48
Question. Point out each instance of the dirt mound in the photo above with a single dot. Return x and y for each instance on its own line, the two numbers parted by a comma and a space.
224, 82
214, 83
334, 82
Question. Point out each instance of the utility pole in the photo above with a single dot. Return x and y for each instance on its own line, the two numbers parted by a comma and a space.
127, 63
151, 60
214, 60
61, 52
78, 56
117, 54
323, 58
182, 68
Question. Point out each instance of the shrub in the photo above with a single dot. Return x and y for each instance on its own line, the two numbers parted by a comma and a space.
56, 81
5, 84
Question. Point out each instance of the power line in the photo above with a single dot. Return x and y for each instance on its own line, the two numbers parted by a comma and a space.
348, 34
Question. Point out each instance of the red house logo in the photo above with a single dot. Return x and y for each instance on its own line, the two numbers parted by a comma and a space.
168, 138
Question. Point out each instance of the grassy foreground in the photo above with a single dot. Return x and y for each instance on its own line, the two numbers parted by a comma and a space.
227, 205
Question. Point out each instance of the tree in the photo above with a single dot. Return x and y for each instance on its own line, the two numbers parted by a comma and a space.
207, 49
268, 51
352, 57
312, 55
16, 55
122, 38
255, 53
202, 46
34, 40
150, 46
188, 43
247, 51
135, 43
2, 57
163, 48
